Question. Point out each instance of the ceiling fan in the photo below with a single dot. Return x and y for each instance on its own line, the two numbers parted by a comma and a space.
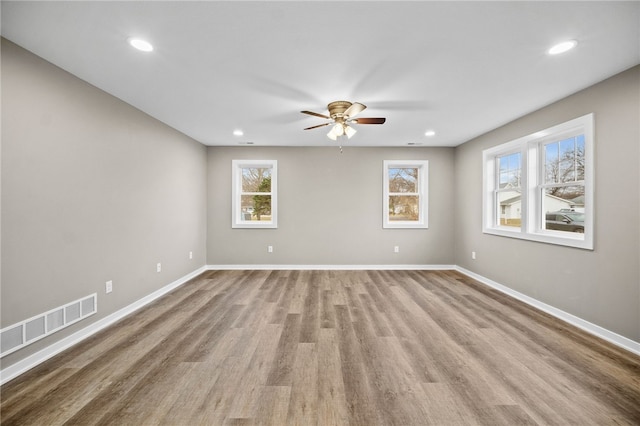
342, 114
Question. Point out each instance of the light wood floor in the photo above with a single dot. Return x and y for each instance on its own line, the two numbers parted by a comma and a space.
332, 347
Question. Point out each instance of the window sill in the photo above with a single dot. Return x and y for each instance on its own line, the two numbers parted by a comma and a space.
548, 237
254, 226
404, 225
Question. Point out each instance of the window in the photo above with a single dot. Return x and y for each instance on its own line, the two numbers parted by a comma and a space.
508, 189
254, 203
405, 194
540, 187
563, 183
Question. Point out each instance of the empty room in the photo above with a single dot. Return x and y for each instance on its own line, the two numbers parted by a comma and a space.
320, 213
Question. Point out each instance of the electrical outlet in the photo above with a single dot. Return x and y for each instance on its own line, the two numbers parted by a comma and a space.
190, 255
108, 287
396, 249
159, 267
473, 255
270, 249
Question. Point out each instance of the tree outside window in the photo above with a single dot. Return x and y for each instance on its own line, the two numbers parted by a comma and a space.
254, 195
405, 194
540, 187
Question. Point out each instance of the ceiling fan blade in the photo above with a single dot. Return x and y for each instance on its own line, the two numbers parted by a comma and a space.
370, 120
354, 109
319, 125
316, 114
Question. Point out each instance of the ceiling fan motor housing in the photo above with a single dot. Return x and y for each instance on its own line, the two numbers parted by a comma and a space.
337, 109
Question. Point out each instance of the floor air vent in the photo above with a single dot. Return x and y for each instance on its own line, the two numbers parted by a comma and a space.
19, 335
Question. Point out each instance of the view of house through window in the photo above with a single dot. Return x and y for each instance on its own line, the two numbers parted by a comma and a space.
540, 187
508, 190
564, 185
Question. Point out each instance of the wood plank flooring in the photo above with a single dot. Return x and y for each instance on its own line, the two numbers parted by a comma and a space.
332, 348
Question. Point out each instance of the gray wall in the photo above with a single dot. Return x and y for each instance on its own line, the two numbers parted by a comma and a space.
92, 190
95, 190
330, 209
601, 286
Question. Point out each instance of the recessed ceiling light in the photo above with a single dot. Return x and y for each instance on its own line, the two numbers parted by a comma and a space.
430, 133
238, 132
562, 47
140, 44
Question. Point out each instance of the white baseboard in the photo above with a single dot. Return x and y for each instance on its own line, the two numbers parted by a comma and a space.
33, 360
596, 330
332, 267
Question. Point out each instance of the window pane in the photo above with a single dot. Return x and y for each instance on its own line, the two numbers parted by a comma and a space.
564, 160
404, 208
510, 208
403, 179
564, 208
568, 196
551, 168
255, 208
254, 190
256, 179
509, 170
580, 157
405, 194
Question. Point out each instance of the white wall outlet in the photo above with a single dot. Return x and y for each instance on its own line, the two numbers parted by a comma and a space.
159, 267
473, 255
190, 255
396, 249
270, 249
108, 286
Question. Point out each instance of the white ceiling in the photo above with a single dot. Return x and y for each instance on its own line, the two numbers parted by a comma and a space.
459, 68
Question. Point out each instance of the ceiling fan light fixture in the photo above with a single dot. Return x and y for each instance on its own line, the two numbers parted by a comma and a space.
349, 131
341, 114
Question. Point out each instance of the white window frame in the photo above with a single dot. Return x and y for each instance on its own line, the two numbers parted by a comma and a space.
422, 193
533, 185
237, 220
507, 149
